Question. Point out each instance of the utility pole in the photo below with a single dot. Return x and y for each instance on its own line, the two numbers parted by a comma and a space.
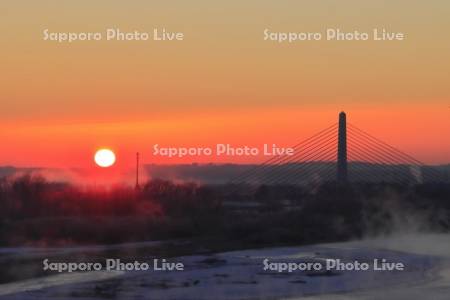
137, 172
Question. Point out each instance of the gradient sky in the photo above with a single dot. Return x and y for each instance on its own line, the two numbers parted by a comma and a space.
223, 84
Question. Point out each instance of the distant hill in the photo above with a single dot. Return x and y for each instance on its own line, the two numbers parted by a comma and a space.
287, 173
6, 171
222, 173
9, 171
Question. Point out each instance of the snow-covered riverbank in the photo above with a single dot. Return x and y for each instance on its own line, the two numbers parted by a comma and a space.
242, 275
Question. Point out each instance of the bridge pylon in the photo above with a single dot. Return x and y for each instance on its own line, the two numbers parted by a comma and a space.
342, 168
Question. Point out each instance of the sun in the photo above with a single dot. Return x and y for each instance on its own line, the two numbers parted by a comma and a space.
104, 158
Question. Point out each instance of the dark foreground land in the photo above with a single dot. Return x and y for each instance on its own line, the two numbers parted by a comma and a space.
194, 219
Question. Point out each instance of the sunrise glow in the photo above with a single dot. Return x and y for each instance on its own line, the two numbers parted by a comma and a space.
105, 158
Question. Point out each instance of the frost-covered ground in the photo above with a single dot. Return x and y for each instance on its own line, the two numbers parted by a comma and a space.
240, 275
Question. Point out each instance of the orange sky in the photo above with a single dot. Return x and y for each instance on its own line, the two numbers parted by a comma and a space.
223, 84
418, 130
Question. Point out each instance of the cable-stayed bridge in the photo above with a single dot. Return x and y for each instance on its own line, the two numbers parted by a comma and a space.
342, 153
